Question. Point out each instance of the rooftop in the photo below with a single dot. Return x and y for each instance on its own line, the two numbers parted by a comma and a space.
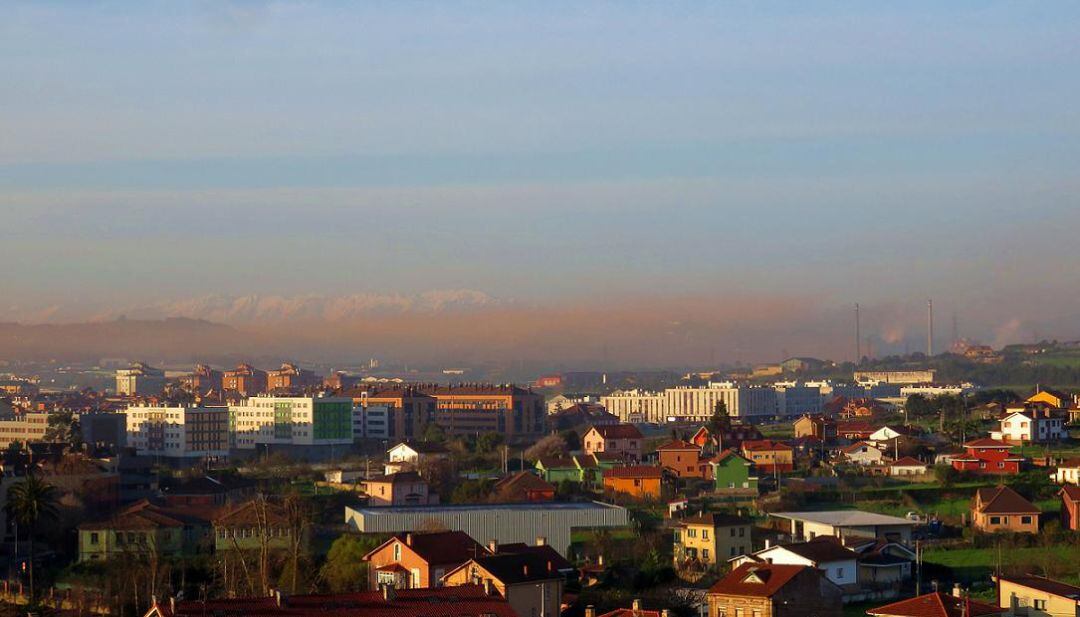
937, 604
844, 518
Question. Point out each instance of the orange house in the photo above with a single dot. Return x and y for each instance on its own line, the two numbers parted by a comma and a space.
412, 560
684, 458
636, 481
769, 456
1003, 509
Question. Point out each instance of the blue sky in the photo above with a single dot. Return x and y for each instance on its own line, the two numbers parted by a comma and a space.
541, 151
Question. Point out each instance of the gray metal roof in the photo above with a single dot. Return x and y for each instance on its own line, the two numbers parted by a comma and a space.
844, 518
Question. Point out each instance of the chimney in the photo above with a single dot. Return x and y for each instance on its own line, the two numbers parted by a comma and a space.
590, 611
768, 543
388, 593
957, 591
550, 568
635, 605
493, 546
541, 541
408, 539
665, 613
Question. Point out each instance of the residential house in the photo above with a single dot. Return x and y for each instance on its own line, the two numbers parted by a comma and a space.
733, 472
774, 590
1070, 507
411, 560
205, 491
623, 440
882, 562
530, 582
1003, 509
988, 456
405, 488
557, 469
769, 456
466, 601
414, 456
907, 466
707, 540
1053, 398
141, 529
636, 482
1037, 596
856, 430
684, 459
1068, 472
542, 549
815, 426
1032, 425
736, 435
936, 604
252, 525
838, 563
863, 453
523, 486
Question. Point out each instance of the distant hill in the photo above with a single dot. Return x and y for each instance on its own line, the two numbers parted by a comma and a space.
163, 338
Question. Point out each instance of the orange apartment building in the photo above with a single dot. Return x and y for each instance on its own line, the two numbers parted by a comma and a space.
245, 379
412, 560
410, 408
203, 379
1003, 509
472, 409
290, 377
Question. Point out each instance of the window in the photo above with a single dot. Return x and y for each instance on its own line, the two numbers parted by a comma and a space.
704, 553
742, 532
1025, 520
704, 534
995, 520
732, 532
93, 537
1040, 605
397, 551
839, 573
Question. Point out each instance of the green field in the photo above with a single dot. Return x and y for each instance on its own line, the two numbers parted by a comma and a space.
975, 565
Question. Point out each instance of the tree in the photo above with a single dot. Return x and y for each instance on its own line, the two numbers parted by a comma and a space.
721, 419
29, 503
63, 427
345, 569
571, 438
433, 432
552, 446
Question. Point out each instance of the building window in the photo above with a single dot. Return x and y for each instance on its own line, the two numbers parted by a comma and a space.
397, 552
1025, 520
1040, 605
93, 537
994, 520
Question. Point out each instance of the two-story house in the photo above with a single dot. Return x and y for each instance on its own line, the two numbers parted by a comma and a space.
531, 583
863, 453
404, 488
1037, 596
622, 440
988, 456
707, 540
774, 590
1003, 509
684, 459
411, 560
838, 563
769, 456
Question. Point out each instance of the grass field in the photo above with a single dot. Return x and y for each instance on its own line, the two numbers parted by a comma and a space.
975, 565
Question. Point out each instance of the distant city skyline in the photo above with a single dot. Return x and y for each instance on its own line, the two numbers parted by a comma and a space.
730, 179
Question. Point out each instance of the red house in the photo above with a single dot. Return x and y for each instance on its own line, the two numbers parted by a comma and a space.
988, 456
1070, 507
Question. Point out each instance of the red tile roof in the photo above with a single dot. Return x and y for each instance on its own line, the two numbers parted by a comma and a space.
634, 471
678, 444
1071, 492
629, 612
765, 444
463, 601
908, 461
757, 580
936, 604
439, 547
618, 431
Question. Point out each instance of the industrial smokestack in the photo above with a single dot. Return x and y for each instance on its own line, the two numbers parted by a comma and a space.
929, 328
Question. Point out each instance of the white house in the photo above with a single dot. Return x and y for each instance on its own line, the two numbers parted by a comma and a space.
1068, 472
862, 453
837, 563
907, 466
1030, 426
411, 456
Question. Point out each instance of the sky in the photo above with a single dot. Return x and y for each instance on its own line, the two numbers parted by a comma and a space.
545, 154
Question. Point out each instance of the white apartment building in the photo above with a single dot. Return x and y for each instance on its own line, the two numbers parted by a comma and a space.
186, 432
937, 390
292, 421
140, 379
636, 405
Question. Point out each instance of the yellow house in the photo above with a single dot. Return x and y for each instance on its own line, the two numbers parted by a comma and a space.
529, 582
707, 540
1036, 596
1050, 397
